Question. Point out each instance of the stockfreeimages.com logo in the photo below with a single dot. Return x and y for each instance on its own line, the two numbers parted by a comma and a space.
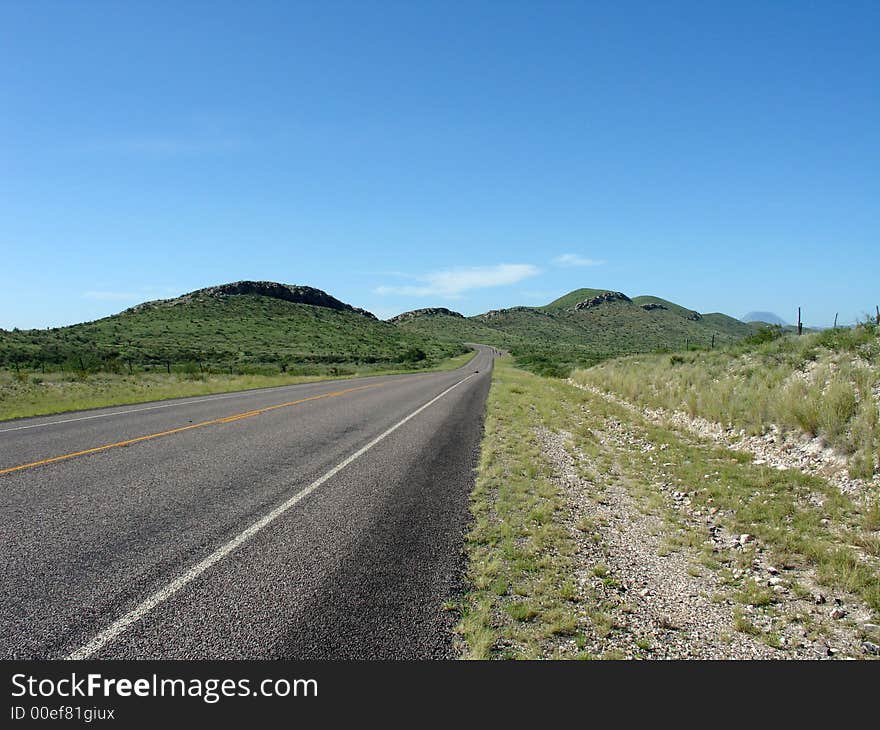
209, 690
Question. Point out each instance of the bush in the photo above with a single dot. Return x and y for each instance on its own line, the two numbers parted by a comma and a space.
765, 334
413, 354
192, 370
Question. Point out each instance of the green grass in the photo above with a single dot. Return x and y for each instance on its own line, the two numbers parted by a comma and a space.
516, 539
37, 394
822, 384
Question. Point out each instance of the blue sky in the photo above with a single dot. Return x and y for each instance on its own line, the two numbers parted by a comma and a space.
469, 155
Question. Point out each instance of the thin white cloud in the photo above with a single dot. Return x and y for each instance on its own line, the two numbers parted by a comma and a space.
573, 259
452, 283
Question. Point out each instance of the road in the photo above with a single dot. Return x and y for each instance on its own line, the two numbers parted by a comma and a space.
314, 521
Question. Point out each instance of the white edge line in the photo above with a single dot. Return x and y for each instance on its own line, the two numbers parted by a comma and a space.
163, 594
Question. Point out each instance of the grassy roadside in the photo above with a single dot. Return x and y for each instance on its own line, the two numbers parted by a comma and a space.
825, 384
520, 557
541, 585
38, 395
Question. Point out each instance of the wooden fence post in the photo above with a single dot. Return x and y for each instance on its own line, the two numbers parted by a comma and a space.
835, 319
800, 324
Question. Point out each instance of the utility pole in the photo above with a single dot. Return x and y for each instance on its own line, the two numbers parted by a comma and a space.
800, 324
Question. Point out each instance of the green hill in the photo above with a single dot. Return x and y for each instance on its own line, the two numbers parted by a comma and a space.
449, 327
240, 324
582, 327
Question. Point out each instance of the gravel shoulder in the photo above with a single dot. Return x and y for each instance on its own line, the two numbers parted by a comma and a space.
600, 533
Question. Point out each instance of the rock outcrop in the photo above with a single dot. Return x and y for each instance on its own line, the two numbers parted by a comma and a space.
651, 306
496, 312
426, 312
608, 296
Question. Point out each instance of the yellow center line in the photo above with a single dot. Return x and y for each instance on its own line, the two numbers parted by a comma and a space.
223, 419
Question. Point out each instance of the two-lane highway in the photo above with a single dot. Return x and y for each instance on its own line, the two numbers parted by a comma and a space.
322, 520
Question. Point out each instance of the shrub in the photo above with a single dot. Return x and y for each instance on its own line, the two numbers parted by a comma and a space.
765, 334
413, 354
800, 405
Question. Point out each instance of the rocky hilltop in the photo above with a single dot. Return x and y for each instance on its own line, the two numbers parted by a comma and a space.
287, 292
425, 312
608, 296
492, 313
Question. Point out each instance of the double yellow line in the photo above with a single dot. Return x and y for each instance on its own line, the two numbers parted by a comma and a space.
181, 429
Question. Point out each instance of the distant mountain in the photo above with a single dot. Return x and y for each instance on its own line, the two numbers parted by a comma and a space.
766, 317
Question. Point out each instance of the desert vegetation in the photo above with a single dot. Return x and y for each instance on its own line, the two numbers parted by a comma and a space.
600, 534
824, 384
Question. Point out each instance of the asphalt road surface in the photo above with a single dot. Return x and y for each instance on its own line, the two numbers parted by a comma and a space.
322, 520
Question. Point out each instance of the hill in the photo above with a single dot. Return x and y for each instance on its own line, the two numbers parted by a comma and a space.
239, 324
446, 326
766, 317
581, 327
